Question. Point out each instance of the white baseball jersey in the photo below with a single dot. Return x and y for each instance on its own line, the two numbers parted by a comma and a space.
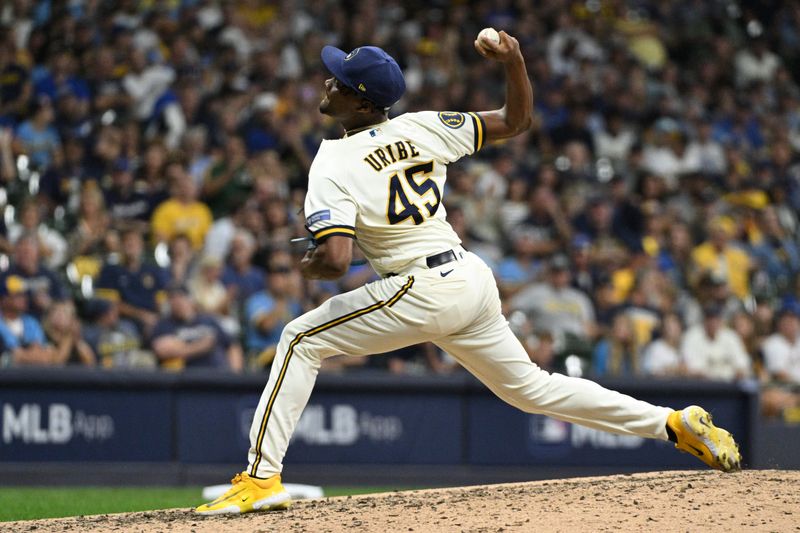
384, 186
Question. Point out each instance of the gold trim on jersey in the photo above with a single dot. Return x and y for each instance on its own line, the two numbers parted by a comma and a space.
313, 331
330, 231
479, 126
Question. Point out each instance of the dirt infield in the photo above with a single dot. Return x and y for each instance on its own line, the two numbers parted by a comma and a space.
756, 500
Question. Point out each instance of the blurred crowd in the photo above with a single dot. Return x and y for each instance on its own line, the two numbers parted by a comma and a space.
153, 159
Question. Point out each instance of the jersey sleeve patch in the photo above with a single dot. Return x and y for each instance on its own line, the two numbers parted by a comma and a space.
321, 235
319, 216
452, 119
479, 129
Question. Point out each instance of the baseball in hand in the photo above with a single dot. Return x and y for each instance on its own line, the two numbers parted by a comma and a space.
489, 34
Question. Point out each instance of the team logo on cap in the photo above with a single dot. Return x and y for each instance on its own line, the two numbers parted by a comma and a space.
15, 284
451, 119
351, 55
361, 87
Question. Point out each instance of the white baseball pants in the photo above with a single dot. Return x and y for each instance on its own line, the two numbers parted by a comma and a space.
456, 306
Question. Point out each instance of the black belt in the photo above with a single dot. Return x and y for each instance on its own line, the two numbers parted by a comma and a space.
443, 258
434, 261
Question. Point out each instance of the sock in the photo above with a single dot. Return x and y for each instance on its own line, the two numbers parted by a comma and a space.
671, 435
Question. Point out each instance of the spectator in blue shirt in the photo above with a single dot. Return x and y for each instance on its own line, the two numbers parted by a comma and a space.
22, 340
38, 138
126, 204
116, 341
521, 268
240, 276
185, 338
60, 78
15, 85
774, 249
136, 285
267, 312
260, 132
61, 184
615, 354
42, 285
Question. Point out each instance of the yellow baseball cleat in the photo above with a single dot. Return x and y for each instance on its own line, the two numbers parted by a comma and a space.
248, 494
697, 435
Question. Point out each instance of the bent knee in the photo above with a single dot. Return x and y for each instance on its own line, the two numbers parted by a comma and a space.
299, 339
295, 330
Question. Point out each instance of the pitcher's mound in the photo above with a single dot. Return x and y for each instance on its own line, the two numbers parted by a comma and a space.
755, 500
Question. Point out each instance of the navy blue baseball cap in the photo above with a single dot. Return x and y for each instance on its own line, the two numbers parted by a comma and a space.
369, 71
790, 306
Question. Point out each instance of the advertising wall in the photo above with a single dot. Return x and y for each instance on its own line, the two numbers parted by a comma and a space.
357, 419
85, 425
335, 427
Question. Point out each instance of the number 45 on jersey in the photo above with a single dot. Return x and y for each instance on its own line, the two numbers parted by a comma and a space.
416, 178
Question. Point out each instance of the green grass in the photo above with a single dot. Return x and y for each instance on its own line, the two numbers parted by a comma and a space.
28, 503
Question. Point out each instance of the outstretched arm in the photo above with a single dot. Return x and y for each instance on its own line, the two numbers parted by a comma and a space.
517, 113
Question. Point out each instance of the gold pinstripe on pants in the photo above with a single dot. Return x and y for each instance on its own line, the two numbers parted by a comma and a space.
313, 331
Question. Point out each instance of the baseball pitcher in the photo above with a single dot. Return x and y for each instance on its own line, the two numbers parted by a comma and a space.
381, 187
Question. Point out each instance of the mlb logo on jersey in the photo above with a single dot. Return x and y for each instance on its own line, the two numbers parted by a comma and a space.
319, 216
451, 119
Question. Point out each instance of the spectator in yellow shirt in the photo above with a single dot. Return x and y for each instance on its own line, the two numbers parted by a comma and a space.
720, 256
181, 213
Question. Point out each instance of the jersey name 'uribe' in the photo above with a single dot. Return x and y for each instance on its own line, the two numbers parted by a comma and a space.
378, 159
